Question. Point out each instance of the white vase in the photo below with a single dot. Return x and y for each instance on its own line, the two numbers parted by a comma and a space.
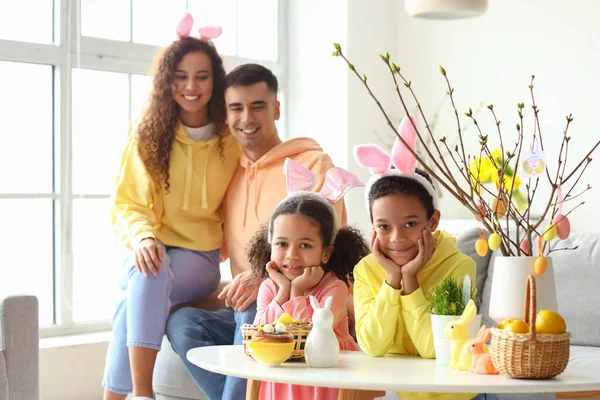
507, 297
440, 343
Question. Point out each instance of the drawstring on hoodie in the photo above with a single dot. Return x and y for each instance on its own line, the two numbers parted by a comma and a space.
252, 168
188, 178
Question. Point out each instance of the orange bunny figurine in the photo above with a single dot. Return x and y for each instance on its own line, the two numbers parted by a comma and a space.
481, 363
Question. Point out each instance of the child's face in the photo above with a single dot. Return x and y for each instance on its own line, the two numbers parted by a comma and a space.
297, 244
399, 221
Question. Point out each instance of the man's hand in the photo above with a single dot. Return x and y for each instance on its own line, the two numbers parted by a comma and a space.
241, 291
310, 277
411, 268
394, 271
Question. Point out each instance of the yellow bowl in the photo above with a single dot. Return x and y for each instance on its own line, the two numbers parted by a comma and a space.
270, 354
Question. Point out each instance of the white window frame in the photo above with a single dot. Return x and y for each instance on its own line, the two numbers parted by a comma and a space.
71, 50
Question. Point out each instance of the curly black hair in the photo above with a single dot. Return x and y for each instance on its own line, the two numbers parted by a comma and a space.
394, 184
349, 246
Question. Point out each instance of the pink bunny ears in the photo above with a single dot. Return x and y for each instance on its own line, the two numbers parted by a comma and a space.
300, 181
400, 163
184, 28
337, 181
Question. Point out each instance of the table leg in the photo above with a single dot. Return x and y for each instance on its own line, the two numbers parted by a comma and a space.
253, 389
351, 394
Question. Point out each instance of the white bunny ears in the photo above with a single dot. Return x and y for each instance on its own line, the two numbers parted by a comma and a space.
400, 163
315, 303
300, 180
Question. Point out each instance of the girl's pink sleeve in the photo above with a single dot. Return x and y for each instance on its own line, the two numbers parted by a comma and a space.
298, 309
267, 309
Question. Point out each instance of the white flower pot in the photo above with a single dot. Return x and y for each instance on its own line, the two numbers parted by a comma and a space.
507, 297
441, 344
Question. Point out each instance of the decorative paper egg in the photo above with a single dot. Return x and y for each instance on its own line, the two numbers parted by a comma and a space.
540, 265
494, 241
563, 226
524, 245
481, 247
550, 233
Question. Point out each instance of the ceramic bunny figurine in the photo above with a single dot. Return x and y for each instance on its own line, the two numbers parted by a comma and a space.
456, 332
322, 349
481, 363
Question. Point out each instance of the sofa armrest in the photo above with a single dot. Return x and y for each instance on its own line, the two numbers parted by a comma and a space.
19, 342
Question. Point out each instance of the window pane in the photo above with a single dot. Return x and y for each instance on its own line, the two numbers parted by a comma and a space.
28, 264
19, 22
18, 105
106, 19
154, 21
220, 13
96, 261
100, 123
258, 40
140, 89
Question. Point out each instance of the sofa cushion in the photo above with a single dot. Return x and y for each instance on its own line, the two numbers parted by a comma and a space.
3, 377
171, 378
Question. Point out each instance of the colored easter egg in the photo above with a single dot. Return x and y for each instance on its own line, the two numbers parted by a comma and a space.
550, 233
563, 226
494, 241
498, 208
540, 265
524, 245
481, 247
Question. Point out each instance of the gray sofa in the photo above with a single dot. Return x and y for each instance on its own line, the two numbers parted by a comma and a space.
577, 279
19, 348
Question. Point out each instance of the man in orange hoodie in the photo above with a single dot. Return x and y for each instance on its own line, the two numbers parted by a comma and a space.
256, 188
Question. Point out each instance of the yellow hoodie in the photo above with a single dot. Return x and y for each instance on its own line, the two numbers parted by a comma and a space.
257, 187
388, 322
190, 214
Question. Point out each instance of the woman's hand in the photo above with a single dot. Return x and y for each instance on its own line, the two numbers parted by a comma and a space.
148, 256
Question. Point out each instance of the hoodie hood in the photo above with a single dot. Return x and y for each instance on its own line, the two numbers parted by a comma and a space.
289, 148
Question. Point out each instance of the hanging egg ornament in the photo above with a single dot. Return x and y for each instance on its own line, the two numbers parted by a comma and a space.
494, 241
563, 226
550, 233
498, 207
524, 246
540, 265
481, 246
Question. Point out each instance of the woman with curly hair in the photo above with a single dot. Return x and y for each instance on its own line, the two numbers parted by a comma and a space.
300, 253
167, 206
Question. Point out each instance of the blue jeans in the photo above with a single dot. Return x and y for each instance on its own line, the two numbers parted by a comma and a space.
191, 327
141, 315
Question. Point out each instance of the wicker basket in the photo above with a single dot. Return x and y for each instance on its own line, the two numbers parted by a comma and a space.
529, 355
299, 331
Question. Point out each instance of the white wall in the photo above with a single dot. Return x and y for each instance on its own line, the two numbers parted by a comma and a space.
490, 59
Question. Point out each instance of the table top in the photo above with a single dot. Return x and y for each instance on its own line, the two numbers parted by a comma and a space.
357, 370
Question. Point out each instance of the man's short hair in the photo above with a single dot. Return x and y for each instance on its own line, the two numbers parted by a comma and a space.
250, 74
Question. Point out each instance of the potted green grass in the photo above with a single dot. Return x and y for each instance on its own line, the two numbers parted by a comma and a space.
448, 300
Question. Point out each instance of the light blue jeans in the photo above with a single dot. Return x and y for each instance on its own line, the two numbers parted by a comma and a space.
141, 315
191, 327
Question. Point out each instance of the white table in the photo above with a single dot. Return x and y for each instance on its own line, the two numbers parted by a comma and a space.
358, 371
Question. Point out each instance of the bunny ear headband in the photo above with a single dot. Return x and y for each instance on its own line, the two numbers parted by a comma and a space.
184, 28
400, 163
300, 181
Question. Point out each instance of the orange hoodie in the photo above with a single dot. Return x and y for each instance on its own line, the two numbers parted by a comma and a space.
257, 187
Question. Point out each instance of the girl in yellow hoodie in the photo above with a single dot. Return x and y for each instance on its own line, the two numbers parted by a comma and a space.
167, 205
409, 257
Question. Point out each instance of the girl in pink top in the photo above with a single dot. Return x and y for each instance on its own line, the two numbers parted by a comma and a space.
301, 253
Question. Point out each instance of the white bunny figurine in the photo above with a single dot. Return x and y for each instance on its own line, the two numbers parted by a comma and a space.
322, 349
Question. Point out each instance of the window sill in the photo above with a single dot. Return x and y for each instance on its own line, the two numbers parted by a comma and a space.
74, 340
